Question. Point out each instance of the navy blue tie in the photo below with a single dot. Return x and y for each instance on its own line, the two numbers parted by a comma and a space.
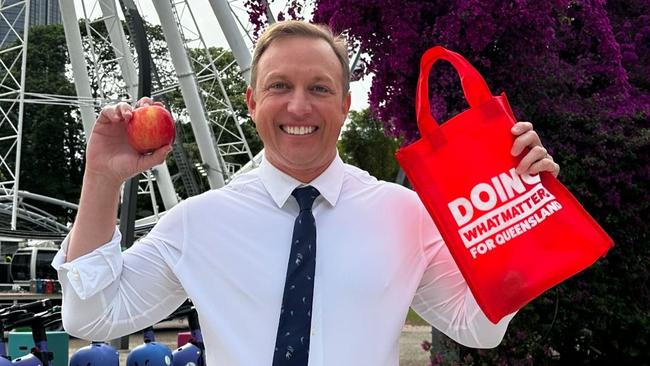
292, 340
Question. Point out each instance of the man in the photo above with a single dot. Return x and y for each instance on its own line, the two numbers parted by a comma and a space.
232, 250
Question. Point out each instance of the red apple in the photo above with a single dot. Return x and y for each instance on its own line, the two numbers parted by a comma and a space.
150, 128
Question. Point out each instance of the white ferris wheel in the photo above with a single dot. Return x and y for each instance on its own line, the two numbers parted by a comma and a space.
207, 103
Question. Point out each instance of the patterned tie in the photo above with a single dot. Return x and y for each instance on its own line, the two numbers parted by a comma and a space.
292, 340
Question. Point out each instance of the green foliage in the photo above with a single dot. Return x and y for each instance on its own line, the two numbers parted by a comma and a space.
364, 144
53, 143
107, 80
599, 316
52, 138
412, 318
235, 86
602, 313
579, 70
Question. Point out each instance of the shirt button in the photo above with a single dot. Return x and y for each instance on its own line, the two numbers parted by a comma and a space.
313, 332
74, 274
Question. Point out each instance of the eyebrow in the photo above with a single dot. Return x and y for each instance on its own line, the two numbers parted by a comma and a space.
274, 75
323, 78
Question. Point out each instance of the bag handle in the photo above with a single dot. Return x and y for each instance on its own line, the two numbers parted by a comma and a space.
474, 87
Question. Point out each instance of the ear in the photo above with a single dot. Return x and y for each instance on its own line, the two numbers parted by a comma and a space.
346, 105
250, 102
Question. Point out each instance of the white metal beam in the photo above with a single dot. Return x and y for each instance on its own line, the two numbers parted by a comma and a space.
79, 67
127, 65
21, 108
233, 36
222, 117
189, 88
120, 46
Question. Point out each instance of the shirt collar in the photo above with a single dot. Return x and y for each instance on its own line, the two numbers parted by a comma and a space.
280, 185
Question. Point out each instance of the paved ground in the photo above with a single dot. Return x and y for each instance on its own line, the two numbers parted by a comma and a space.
410, 352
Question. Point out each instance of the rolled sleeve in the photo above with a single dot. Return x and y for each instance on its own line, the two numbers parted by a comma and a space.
93, 272
444, 299
109, 293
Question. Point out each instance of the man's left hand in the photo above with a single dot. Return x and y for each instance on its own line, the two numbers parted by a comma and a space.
538, 159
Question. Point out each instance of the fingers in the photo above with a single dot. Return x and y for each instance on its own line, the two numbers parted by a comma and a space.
157, 157
124, 111
537, 159
521, 127
115, 113
528, 139
535, 154
107, 114
545, 165
144, 101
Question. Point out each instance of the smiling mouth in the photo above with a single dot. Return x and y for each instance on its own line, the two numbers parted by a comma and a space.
299, 130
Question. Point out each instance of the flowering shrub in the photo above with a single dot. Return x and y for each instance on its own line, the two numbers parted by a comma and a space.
580, 70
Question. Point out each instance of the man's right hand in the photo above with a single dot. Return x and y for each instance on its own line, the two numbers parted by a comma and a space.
109, 155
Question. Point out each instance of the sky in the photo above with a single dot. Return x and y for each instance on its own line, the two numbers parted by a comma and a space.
210, 30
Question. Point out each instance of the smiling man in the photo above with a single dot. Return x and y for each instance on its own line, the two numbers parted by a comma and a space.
299, 100
302, 261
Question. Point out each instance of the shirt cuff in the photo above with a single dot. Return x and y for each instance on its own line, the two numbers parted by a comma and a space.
93, 272
478, 313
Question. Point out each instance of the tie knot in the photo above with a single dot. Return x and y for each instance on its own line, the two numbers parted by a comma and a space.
305, 197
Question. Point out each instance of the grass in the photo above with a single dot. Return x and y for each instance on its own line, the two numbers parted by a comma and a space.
412, 318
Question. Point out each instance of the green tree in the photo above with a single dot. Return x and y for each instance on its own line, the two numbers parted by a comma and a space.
111, 84
235, 86
52, 138
53, 143
364, 144
106, 77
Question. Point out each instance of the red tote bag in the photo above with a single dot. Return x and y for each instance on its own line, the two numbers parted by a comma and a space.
513, 237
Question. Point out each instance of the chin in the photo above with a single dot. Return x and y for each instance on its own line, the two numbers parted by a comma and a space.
299, 162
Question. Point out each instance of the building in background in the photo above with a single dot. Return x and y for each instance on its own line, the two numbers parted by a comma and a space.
12, 20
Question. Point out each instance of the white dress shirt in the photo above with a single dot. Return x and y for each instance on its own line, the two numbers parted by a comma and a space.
227, 249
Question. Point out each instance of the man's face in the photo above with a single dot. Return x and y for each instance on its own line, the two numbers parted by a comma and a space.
298, 105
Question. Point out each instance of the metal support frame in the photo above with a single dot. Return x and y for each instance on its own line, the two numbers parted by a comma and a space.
105, 11
230, 138
224, 15
21, 108
120, 46
82, 84
190, 90
12, 93
127, 65
32, 216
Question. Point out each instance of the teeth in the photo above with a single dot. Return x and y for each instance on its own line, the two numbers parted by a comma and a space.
299, 130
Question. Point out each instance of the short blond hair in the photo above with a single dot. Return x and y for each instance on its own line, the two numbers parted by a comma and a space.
296, 28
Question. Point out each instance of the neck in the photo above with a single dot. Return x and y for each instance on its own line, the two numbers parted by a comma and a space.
303, 175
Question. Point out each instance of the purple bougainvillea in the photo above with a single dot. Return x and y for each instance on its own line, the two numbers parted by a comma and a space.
580, 70
554, 57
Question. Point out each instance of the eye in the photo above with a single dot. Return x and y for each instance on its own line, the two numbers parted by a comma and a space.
320, 89
279, 85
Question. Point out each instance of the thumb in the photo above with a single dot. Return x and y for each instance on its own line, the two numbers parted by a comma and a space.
157, 157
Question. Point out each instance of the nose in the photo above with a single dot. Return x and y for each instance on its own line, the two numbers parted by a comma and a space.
299, 103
